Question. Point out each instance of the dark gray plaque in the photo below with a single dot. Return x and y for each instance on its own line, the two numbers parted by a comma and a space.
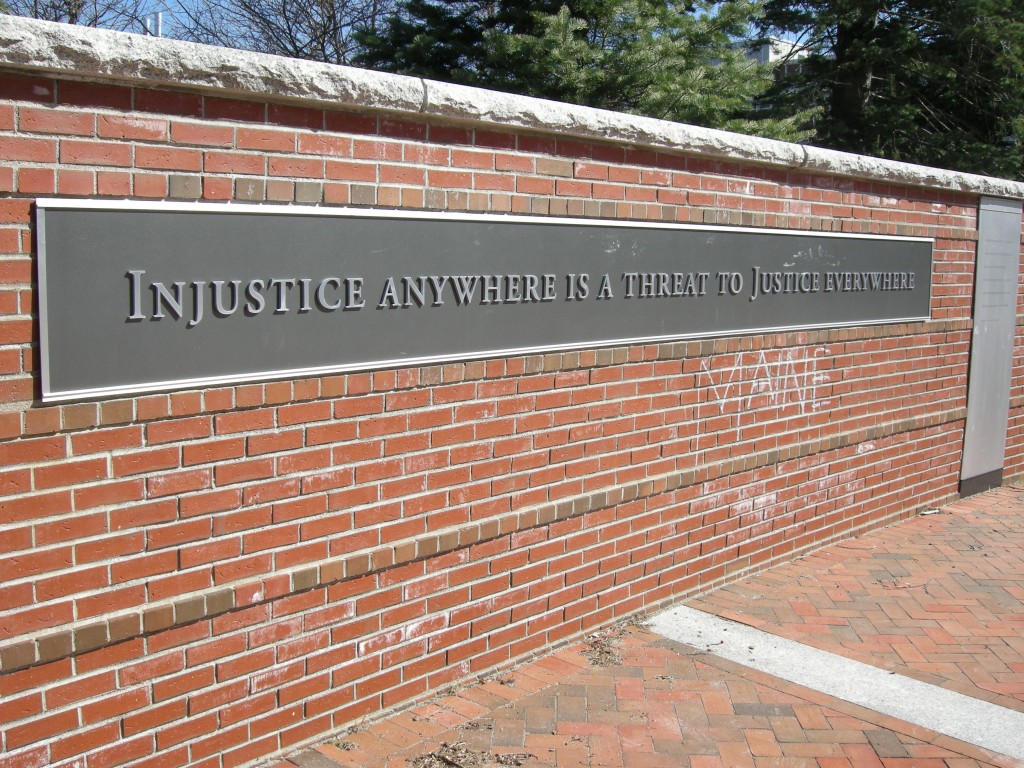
140, 297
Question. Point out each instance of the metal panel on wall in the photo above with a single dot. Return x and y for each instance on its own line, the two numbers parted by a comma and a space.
995, 316
145, 296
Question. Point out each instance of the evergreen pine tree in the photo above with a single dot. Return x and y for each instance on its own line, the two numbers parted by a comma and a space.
937, 82
682, 61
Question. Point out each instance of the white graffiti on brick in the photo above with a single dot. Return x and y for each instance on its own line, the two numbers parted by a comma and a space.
765, 379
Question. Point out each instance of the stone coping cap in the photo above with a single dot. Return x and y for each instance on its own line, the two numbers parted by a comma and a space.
43, 47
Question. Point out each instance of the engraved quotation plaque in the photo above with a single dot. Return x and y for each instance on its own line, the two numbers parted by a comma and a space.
139, 297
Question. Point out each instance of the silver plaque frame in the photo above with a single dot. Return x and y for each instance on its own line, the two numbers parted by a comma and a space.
126, 288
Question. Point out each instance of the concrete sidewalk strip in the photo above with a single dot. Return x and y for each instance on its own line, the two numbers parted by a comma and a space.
961, 717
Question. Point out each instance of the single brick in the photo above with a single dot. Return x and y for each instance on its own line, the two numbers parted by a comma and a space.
250, 189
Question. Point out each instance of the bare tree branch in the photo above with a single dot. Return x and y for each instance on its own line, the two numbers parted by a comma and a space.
123, 15
320, 30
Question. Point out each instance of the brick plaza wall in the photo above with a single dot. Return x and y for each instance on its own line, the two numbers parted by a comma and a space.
212, 577
1013, 470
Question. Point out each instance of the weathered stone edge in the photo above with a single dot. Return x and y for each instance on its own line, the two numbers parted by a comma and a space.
148, 620
93, 54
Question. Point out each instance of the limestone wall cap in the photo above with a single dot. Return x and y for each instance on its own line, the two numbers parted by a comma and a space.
46, 48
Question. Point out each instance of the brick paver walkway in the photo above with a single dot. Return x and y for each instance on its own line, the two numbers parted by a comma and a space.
939, 597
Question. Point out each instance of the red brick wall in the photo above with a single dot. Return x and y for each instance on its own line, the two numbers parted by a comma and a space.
1013, 467
210, 577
